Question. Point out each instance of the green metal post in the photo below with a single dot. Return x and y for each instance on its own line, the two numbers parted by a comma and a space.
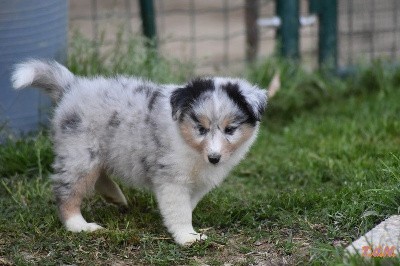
327, 43
288, 32
148, 20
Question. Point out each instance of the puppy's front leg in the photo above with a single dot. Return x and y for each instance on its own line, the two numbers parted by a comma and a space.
175, 206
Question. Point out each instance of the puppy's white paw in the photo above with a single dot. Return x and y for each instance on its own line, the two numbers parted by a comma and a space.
188, 238
90, 227
78, 224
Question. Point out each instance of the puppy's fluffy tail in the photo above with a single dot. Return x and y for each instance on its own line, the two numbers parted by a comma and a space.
49, 76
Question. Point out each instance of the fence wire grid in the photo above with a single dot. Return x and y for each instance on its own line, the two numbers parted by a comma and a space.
368, 29
212, 34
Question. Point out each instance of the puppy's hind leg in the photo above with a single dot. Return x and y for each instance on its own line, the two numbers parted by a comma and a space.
70, 189
110, 190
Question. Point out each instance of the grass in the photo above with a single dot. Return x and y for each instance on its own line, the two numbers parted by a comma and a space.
126, 56
325, 169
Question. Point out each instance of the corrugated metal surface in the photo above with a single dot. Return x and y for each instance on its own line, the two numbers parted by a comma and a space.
28, 29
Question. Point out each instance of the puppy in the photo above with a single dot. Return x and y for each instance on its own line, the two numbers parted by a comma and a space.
177, 141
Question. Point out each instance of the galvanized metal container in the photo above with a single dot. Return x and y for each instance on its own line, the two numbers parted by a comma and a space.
28, 29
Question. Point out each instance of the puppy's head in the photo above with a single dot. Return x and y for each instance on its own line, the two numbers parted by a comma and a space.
217, 116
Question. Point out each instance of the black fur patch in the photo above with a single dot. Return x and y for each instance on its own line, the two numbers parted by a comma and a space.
183, 98
233, 92
70, 122
59, 165
67, 87
153, 99
145, 164
92, 153
62, 190
154, 136
194, 118
144, 89
161, 166
114, 120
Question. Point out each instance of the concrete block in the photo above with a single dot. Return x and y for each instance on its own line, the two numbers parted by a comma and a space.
382, 241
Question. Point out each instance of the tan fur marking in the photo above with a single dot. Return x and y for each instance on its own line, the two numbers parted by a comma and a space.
72, 206
226, 122
246, 133
186, 129
110, 190
204, 121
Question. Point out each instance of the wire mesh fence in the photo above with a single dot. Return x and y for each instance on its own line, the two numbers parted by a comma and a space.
212, 34
368, 29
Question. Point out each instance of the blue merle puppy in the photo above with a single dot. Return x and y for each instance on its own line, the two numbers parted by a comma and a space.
180, 141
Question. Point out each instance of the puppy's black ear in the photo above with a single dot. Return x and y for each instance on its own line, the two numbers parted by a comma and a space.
250, 99
179, 98
257, 100
182, 99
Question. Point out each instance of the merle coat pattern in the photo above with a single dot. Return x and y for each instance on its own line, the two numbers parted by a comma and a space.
179, 141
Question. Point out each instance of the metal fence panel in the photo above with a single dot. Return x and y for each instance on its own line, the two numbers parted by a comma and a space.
368, 29
212, 34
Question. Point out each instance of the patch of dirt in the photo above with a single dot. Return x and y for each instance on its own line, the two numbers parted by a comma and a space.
5, 262
259, 253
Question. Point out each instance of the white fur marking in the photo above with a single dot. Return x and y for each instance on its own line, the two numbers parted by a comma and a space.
78, 224
23, 76
188, 237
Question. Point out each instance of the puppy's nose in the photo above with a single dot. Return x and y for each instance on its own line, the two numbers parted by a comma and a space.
214, 158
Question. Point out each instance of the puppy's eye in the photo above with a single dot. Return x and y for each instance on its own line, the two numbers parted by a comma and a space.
202, 130
230, 130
